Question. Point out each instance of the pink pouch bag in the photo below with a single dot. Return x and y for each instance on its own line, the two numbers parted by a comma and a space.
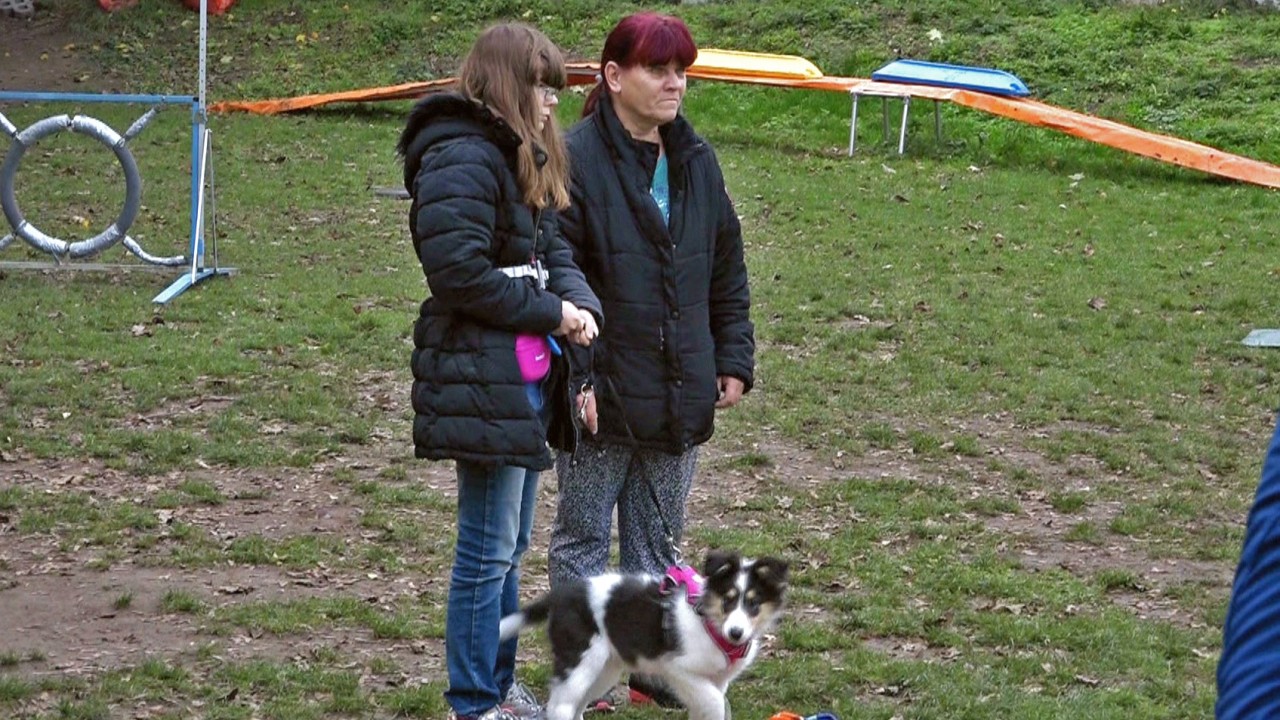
533, 355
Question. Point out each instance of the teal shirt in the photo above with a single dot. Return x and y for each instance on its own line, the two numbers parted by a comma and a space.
661, 189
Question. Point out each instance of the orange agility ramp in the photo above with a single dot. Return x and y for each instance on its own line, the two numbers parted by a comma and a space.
795, 72
406, 91
1106, 132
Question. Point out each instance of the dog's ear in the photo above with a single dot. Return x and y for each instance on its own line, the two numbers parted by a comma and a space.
720, 562
772, 571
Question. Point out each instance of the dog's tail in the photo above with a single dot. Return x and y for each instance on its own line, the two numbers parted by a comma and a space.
535, 613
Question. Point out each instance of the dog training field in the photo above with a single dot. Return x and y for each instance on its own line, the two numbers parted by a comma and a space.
1004, 430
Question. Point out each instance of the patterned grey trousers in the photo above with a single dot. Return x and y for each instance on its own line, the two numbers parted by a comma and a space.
601, 477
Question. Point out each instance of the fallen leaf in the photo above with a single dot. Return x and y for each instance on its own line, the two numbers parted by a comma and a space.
1011, 608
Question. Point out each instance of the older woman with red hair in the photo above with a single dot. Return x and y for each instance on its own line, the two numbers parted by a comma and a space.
657, 237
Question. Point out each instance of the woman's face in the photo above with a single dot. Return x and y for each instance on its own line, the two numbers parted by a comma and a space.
546, 99
648, 93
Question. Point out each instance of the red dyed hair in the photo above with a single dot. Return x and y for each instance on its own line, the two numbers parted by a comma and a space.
646, 38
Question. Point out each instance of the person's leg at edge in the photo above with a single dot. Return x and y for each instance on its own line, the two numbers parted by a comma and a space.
642, 536
588, 489
489, 516
1249, 667
504, 672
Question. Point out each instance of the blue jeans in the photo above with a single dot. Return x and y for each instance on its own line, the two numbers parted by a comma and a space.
495, 518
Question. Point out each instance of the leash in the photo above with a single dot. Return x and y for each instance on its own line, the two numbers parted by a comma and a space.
677, 559
678, 574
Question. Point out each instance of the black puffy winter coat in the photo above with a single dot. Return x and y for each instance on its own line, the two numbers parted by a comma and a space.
675, 293
468, 219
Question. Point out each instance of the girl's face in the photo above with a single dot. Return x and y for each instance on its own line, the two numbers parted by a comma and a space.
650, 94
546, 99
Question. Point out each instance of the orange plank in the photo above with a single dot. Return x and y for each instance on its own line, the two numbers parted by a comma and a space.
406, 91
1106, 132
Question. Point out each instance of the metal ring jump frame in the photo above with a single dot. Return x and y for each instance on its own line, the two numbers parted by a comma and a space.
201, 175
115, 232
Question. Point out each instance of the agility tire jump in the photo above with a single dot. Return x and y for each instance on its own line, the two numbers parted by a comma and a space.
116, 231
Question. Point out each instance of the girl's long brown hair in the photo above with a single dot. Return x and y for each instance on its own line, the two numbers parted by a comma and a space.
502, 69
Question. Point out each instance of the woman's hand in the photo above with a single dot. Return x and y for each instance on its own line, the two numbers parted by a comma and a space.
570, 320
588, 332
730, 391
585, 402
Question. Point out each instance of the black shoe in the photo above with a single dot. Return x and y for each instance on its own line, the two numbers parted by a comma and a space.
646, 689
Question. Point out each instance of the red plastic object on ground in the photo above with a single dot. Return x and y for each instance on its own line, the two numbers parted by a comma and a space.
216, 7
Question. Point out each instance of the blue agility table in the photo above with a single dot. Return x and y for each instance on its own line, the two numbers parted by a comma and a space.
920, 72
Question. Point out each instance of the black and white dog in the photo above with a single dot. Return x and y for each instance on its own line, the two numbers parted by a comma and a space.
697, 633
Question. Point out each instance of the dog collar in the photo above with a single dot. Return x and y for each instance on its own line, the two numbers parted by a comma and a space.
732, 653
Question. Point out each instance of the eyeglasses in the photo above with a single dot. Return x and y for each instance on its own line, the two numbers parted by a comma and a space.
547, 92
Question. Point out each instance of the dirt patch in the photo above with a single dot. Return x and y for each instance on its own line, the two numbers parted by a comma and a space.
69, 622
912, 649
66, 612
42, 52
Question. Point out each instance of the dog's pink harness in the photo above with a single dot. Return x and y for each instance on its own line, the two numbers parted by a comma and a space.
688, 578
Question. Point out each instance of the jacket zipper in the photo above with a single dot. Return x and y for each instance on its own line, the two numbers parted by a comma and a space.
573, 410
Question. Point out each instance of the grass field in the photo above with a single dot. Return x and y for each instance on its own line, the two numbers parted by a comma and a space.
1004, 427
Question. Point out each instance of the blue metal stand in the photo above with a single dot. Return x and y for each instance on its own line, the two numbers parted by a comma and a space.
187, 281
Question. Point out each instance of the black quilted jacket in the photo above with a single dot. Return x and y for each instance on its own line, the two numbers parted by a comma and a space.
468, 219
675, 293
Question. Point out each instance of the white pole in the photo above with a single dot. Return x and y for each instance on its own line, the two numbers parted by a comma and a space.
204, 35
197, 256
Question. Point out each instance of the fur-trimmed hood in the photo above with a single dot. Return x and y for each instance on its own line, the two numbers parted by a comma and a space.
441, 117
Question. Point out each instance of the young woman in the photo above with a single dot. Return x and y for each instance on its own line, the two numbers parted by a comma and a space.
487, 171
658, 239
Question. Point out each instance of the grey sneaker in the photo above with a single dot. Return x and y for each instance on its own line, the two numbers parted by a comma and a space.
493, 713
521, 702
